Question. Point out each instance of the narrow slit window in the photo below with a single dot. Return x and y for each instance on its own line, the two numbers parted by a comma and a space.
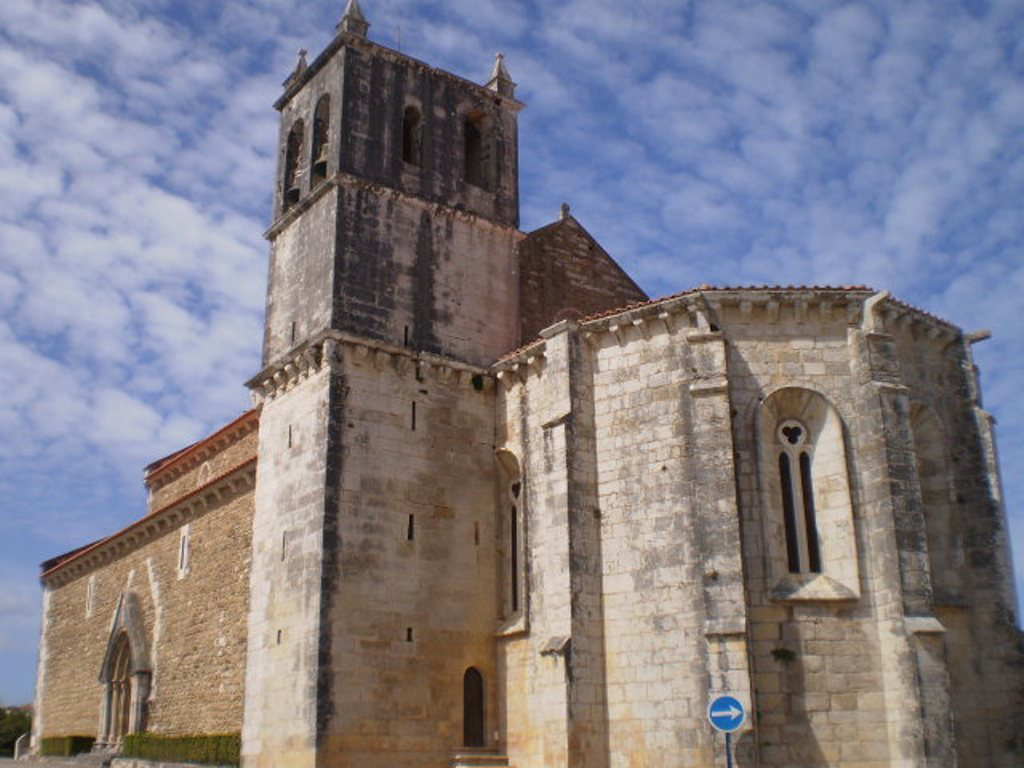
408, 635
184, 551
90, 596
810, 523
789, 514
289, 435
410, 529
514, 557
413, 420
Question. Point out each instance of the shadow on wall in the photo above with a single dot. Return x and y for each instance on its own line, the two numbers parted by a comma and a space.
787, 734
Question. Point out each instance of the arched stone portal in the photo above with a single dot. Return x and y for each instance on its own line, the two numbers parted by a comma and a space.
125, 674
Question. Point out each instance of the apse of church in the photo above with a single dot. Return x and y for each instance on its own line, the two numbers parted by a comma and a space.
495, 506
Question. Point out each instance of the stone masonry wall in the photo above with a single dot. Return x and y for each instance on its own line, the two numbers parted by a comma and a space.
968, 546
195, 625
412, 594
652, 606
283, 662
428, 278
817, 661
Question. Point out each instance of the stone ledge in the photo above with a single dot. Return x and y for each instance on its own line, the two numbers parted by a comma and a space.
811, 587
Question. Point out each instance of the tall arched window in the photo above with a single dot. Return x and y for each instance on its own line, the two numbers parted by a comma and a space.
411, 130
292, 158
321, 138
510, 499
807, 509
478, 151
803, 554
473, 708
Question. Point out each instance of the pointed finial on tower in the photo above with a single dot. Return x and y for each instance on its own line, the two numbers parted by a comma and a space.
352, 20
300, 66
500, 80
563, 212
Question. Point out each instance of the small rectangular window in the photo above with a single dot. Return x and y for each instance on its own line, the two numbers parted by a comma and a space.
408, 635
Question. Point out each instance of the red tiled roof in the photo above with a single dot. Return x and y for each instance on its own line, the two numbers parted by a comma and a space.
723, 289
161, 465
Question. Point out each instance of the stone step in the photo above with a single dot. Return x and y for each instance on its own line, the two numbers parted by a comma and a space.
468, 757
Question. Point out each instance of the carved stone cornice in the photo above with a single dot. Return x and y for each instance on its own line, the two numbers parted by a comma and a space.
331, 347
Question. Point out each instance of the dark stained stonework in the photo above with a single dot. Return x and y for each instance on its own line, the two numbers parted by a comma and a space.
565, 274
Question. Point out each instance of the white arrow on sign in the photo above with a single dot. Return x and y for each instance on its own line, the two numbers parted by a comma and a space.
730, 712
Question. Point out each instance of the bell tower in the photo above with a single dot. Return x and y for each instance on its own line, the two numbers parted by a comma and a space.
396, 205
393, 284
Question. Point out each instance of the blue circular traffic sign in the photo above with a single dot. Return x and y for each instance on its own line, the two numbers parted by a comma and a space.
726, 713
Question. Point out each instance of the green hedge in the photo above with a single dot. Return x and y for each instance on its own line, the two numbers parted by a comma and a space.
65, 746
215, 748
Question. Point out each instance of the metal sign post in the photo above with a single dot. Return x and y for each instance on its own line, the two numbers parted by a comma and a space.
726, 714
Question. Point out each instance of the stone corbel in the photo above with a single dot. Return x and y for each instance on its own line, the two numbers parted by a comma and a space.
619, 332
403, 364
871, 322
800, 311
668, 321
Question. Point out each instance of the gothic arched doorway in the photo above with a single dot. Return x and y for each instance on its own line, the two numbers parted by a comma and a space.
473, 708
120, 691
125, 675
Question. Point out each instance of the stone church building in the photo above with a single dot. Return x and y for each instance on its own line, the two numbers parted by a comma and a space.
495, 506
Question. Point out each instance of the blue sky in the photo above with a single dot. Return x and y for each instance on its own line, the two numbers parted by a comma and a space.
808, 141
